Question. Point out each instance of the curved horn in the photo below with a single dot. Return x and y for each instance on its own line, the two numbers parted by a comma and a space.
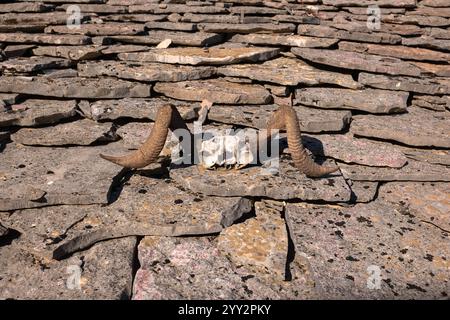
151, 148
301, 159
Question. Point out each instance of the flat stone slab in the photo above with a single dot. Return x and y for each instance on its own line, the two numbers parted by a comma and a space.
82, 133
401, 52
201, 56
427, 201
428, 155
288, 71
154, 37
194, 268
251, 181
216, 91
431, 102
76, 53
420, 85
105, 271
101, 88
412, 171
179, 26
427, 42
371, 251
108, 29
33, 64
9, 98
39, 18
358, 61
260, 243
365, 3
368, 100
247, 27
418, 127
127, 17
148, 72
323, 31
363, 191
433, 69
135, 108
121, 48
310, 119
44, 38
349, 149
174, 8
25, 7
35, 112
284, 40
13, 51
37, 176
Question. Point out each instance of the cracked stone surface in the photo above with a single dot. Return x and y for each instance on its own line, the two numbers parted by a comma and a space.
144, 71
256, 182
35, 112
99, 29
284, 40
310, 119
199, 39
364, 191
375, 245
33, 64
82, 133
102, 88
415, 128
216, 91
45, 38
86, 52
368, 100
38, 176
288, 71
200, 56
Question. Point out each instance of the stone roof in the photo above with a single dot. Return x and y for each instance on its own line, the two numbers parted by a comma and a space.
374, 99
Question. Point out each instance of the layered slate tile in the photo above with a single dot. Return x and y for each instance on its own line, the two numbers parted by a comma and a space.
247, 28
310, 119
41, 176
255, 181
102, 88
368, 100
44, 38
85, 52
378, 245
216, 91
198, 39
99, 29
36, 112
83, 132
417, 127
151, 72
284, 40
33, 64
288, 71
203, 56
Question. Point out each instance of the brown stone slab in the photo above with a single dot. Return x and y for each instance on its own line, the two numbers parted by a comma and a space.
247, 28
199, 39
284, 40
44, 39
427, 42
99, 29
33, 64
70, 52
174, 8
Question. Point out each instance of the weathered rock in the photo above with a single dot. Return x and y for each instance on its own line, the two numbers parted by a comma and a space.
413, 171
194, 268
373, 251
174, 8
143, 71
364, 3
429, 202
134, 17
421, 85
134, 134
439, 12
288, 71
310, 119
103, 272
280, 91
329, 32
33, 64
25, 7
40, 18
401, 52
38, 176
101, 88
353, 25
44, 38
284, 40
98, 8
428, 155
31, 28
60, 73
358, 61
260, 243
415, 128
200, 56
427, 42
121, 48
35, 112
177, 26
13, 51
434, 69
369, 100
247, 27
199, 39
133, 108
82, 133
216, 91
439, 33
348, 149
363, 191
289, 183
99, 29
9, 98
431, 102
70, 52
